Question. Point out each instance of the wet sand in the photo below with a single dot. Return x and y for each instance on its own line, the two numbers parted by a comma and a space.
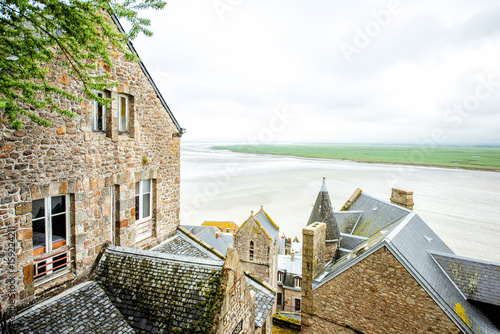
462, 206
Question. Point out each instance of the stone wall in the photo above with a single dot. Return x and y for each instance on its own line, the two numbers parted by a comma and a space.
238, 305
376, 295
288, 298
96, 169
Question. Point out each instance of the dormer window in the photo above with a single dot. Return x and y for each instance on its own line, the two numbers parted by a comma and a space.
297, 282
250, 258
280, 276
98, 122
123, 112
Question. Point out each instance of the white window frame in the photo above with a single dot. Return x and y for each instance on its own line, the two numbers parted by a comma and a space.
297, 282
95, 110
47, 202
127, 112
280, 276
143, 225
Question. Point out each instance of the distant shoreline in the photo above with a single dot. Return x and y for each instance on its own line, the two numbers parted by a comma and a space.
466, 158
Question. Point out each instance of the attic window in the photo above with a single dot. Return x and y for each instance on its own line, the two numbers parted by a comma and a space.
297, 282
251, 251
280, 276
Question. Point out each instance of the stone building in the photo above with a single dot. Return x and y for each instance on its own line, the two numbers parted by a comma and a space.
393, 275
256, 242
289, 293
108, 175
180, 286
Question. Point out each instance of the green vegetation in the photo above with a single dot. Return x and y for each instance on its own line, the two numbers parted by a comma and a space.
482, 158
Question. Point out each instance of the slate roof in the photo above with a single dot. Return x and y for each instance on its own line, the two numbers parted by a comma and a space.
159, 292
267, 224
84, 309
323, 212
281, 245
412, 242
183, 245
477, 280
207, 234
349, 241
290, 269
346, 220
264, 300
376, 216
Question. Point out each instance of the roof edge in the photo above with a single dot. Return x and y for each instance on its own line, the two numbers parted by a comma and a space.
268, 217
148, 76
201, 242
351, 199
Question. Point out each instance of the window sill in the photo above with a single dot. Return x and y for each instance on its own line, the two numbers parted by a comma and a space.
53, 280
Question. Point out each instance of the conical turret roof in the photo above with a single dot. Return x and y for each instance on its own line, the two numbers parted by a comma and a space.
323, 212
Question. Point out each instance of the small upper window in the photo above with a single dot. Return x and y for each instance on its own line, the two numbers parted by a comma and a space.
280, 276
98, 114
123, 112
251, 251
297, 282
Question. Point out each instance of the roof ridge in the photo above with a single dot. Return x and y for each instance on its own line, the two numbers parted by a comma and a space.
268, 217
164, 256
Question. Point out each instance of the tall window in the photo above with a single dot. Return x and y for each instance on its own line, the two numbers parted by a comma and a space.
251, 251
278, 298
123, 112
280, 276
50, 231
297, 304
143, 209
98, 114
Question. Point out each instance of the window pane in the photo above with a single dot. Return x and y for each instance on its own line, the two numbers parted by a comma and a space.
58, 228
145, 205
59, 260
137, 207
95, 106
38, 209
38, 223
137, 189
58, 204
146, 186
122, 121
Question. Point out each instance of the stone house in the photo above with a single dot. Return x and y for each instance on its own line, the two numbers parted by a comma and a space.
256, 242
392, 274
180, 286
108, 175
289, 293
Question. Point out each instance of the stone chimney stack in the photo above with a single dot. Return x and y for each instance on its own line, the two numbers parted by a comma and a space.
292, 255
402, 198
313, 263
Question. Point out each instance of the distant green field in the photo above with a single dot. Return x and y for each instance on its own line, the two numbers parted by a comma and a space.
484, 158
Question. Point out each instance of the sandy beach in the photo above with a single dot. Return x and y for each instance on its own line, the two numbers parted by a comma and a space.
462, 206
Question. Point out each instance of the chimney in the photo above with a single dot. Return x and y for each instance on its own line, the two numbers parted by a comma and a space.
313, 263
402, 198
292, 255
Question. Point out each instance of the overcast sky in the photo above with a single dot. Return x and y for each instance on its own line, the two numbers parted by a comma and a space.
329, 71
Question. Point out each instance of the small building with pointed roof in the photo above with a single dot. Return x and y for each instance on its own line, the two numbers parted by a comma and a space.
323, 212
394, 275
256, 242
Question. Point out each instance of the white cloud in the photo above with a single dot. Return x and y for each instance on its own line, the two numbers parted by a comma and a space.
223, 78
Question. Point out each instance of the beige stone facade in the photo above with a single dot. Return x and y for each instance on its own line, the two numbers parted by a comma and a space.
257, 251
93, 177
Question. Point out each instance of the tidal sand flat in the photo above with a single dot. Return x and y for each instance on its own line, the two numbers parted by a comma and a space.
462, 206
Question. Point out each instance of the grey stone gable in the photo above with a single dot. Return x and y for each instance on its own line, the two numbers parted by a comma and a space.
183, 245
264, 300
346, 220
477, 280
377, 215
267, 225
83, 309
157, 293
